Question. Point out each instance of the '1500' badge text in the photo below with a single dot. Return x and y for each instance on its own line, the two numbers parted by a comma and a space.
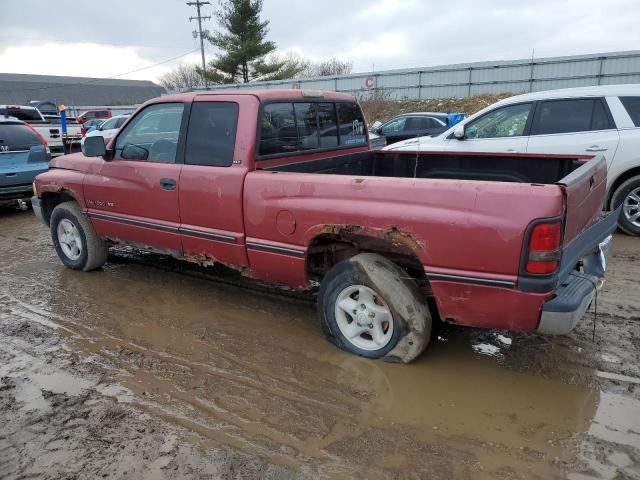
99, 203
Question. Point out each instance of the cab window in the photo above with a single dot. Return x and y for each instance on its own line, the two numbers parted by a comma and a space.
508, 121
152, 135
352, 126
212, 134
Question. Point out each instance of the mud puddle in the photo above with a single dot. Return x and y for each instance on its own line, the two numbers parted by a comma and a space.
241, 384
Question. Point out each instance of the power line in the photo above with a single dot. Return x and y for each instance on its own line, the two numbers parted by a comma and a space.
198, 4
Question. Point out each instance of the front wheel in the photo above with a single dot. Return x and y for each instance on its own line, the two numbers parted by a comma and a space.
75, 240
368, 306
628, 195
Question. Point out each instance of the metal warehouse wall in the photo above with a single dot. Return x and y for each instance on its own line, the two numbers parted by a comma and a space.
460, 80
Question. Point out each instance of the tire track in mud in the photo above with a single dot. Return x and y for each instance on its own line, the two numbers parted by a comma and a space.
234, 430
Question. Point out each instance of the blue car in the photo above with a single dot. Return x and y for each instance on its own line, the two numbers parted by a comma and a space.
23, 155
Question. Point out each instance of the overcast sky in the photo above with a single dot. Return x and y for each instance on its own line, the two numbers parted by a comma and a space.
108, 38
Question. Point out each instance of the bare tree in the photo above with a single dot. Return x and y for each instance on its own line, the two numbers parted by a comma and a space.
183, 77
328, 68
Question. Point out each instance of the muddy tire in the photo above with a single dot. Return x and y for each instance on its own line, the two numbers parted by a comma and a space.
369, 306
75, 240
628, 195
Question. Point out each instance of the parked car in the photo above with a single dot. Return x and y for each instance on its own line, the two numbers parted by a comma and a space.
91, 125
48, 127
410, 125
108, 128
602, 120
101, 114
385, 235
23, 155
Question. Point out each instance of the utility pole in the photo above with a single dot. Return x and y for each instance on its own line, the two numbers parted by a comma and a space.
198, 4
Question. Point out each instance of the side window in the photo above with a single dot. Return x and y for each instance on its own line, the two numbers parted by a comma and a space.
632, 105
212, 133
121, 121
278, 132
394, 126
328, 125
352, 126
568, 116
307, 124
109, 124
502, 122
152, 135
417, 123
433, 123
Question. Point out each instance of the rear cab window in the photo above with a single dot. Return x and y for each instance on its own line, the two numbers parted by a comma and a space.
24, 114
570, 116
290, 127
632, 106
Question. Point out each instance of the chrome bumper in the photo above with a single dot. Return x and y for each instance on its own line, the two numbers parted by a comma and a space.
573, 297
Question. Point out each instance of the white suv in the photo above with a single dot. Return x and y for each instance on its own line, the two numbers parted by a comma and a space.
601, 120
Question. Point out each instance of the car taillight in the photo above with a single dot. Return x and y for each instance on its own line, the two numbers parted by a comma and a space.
544, 248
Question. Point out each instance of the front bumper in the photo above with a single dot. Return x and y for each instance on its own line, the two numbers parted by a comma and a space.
573, 296
36, 204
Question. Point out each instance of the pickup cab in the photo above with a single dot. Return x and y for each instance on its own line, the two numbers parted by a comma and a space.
281, 185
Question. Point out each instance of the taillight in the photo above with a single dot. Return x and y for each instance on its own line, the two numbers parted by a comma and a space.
544, 248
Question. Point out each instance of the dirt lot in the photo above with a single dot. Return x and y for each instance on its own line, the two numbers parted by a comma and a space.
141, 372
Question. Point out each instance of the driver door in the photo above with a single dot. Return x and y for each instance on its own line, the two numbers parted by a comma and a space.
134, 196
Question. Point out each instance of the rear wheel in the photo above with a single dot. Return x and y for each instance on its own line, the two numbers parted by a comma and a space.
368, 306
628, 195
75, 240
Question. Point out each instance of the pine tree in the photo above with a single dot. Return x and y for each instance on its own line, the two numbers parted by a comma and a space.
243, 45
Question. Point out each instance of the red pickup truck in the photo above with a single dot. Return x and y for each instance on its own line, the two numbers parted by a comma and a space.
282, 186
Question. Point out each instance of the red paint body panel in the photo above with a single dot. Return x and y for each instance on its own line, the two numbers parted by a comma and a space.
263, 222
461, 227
131, 190
488, 307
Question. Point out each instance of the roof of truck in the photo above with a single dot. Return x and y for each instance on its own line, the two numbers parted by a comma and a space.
264, 94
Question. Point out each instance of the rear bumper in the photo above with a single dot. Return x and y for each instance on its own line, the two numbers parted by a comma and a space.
573, 296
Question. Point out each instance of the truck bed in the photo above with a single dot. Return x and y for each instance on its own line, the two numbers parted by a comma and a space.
518, 168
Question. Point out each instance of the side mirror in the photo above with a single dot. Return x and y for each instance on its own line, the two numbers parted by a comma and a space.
94, 147
458, 132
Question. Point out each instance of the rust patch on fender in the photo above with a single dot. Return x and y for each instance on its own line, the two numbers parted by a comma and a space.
392, 235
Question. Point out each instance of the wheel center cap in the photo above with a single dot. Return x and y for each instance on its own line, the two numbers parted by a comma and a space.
362, 318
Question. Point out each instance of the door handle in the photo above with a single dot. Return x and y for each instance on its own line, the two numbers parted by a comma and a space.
167, 184
511, 150
596, 148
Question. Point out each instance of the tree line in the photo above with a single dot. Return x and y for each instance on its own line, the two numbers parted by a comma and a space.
245, 55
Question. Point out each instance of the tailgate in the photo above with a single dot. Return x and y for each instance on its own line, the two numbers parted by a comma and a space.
584, 190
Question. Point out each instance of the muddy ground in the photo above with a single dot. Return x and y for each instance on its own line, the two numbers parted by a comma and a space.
140, 372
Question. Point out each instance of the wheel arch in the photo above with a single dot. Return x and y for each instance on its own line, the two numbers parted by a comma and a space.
623, 177
334, 243
51, 199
